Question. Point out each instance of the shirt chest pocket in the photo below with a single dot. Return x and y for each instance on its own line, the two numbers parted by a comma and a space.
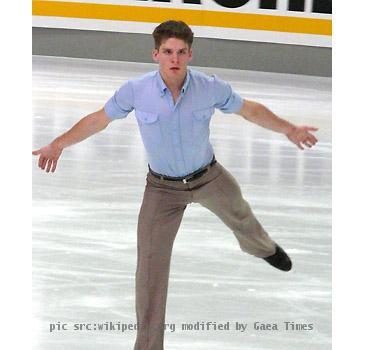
146, 117
150, 129
203, 114
201, 119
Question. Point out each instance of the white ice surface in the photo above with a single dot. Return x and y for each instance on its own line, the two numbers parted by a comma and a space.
85, 217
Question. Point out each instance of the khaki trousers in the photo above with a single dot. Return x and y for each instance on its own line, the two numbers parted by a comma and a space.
160, 216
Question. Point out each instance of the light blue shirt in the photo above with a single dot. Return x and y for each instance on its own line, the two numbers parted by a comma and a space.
175, 136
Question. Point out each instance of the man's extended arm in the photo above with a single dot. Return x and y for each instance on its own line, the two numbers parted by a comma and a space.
260, 115
87, 126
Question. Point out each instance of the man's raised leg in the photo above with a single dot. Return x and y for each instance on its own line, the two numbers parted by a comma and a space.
224, 199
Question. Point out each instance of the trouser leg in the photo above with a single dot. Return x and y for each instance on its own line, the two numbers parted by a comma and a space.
224, 198
159, 219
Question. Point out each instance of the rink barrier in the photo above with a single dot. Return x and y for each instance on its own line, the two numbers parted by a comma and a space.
282, 40
237, 20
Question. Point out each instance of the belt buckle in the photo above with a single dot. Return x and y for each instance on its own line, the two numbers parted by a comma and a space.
186, 179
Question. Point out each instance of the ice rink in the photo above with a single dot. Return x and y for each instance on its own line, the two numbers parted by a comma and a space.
85, 219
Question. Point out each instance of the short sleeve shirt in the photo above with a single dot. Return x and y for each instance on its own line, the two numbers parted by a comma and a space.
175, 135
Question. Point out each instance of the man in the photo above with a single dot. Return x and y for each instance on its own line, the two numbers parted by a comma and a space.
173, 107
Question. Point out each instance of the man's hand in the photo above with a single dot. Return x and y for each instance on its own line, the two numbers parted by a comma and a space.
87, 126
259, 114
48, 157
301, 136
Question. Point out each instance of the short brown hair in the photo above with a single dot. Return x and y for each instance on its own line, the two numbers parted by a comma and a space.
172, 29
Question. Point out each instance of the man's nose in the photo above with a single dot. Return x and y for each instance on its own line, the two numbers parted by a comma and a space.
175, 57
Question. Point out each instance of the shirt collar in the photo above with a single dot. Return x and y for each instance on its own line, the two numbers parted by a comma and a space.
186, 82
162, 86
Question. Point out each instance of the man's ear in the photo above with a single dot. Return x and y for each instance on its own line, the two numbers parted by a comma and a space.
190, 54
154, 55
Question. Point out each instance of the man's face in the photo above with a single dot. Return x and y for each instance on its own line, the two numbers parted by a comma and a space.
173, 57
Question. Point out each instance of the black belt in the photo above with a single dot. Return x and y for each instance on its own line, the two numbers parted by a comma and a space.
190, 177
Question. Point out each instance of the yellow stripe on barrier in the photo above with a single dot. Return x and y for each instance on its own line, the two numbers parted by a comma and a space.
191, 17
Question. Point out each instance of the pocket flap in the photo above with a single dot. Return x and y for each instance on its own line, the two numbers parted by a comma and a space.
146, 117
203, 114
